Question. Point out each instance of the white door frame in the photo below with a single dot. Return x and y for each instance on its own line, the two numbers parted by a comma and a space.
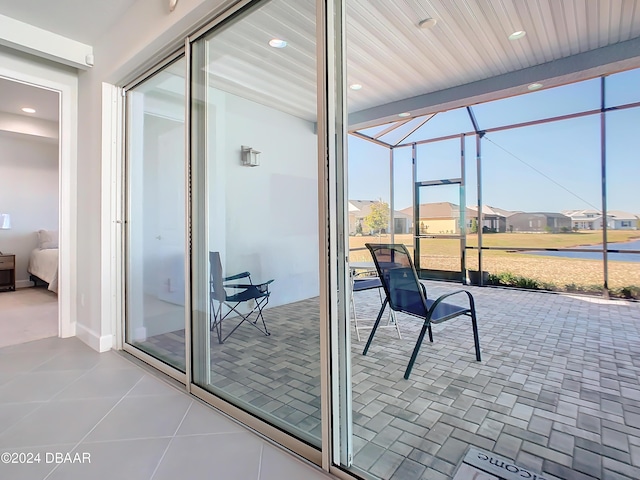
66, 84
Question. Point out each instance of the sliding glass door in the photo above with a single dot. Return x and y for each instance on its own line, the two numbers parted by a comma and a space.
155, 217
256, 316
244, 300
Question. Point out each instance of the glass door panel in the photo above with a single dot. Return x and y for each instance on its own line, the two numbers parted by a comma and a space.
439, 232
255, 232
155, 287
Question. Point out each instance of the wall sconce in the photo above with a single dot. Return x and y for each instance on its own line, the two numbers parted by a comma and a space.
5, 221
250, 157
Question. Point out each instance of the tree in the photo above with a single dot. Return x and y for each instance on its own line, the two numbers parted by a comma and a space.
378, 217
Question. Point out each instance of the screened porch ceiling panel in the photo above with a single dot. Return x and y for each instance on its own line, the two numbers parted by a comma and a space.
397, 62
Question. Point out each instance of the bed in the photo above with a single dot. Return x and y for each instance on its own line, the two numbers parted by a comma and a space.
43, 261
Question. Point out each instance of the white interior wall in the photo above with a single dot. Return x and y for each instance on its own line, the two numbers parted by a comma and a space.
271, 219
29, 193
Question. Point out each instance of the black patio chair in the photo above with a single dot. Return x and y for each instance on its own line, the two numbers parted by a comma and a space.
250, 291
406, 294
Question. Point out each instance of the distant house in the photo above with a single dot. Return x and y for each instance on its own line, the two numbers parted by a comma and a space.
593, 220
360, 209
618, 220
538, 222
494, 219
436, 218
584, 219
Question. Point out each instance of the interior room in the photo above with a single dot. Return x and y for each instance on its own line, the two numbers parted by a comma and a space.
29, 174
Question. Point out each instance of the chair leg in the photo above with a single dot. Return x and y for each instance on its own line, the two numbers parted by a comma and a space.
414, 355
392, 317
216, 320
355, 315
260, 305
476, 341
430, 334
375, 326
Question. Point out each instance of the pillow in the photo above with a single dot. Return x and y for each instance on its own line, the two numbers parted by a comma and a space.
47, 239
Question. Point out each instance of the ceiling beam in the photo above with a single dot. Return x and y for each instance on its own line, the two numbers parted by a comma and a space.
601, 61
42, 43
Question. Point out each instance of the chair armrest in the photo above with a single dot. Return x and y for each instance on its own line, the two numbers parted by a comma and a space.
248, 285
236, 276
435, 304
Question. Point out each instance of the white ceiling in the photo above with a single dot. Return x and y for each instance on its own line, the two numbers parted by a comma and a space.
401, 67
15, 95
81, 20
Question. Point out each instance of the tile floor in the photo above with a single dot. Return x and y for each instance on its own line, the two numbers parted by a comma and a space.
59, 397
27, 314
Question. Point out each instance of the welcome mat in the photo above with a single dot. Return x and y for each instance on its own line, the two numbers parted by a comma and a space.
479, 465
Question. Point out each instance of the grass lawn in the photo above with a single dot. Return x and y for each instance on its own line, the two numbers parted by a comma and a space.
557, 273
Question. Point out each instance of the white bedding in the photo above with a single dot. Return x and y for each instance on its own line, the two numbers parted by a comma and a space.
44, 265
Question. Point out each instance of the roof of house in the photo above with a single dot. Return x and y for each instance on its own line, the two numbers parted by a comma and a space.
443, 210
492, 211
620, 215
544, 214
582, 215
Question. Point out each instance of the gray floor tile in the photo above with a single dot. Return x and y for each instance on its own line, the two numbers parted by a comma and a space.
12, 413
134, 459
202, 419
57, 422
42, 462
231, 455
142, 417
37, 386
149, 385
278, 465
102, 383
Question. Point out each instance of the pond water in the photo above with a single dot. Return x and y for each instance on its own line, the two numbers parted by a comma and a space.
616, 257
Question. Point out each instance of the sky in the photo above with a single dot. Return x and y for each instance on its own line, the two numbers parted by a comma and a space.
550, 167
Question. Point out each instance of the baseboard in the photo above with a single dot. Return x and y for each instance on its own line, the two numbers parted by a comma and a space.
24, 283
98, 343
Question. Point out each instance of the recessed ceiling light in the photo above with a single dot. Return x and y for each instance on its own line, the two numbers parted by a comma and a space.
29, 110
277, 43
404, 114
517, 35
427, 23
535, 86
355, 86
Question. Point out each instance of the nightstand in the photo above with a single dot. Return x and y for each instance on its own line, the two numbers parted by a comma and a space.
7, 272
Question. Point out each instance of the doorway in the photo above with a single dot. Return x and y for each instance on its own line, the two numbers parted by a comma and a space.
29, 212
64, 86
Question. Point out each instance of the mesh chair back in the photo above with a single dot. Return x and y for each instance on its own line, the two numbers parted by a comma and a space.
215, 277
399, 278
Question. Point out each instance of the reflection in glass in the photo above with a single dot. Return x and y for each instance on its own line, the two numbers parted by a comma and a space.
257, 221
155, 287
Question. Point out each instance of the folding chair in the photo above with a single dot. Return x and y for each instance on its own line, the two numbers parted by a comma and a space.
250, 291
405, 293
